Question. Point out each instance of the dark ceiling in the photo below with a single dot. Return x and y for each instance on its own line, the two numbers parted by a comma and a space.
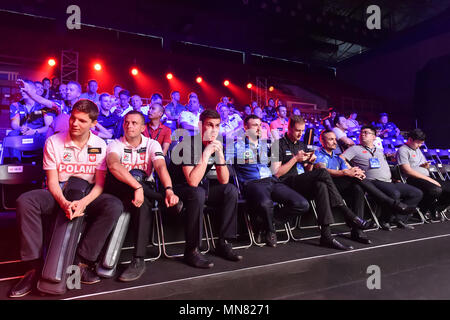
312, 31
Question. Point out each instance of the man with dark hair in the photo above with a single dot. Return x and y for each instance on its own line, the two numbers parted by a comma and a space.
124, 106
387, 129
91, 93
46, 86
76, 153
414, 165
156, 130
124, 156
251, 161
39, 88
328, 121
191, 160
247, 111
54, 89
116, 90
339, 129
279, 126
295, 168
269, 111
107, 121
373, 162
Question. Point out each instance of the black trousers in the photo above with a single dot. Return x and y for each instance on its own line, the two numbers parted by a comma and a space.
224, 197
400, 192
352, 192
142, 217
433, 196
319, 186
261, 194
102, 215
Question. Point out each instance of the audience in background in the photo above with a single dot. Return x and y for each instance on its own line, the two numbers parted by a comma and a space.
155, 129
230, 124
174, 107
353, 126
340, 127
388, 129
328, 121
269, 111
279, 126
28, 118
91, 93
106, 121
189, 119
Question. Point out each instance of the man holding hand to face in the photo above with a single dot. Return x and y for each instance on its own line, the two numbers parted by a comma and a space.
192, 159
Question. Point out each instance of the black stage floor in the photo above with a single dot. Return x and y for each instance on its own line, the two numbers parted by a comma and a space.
413, 264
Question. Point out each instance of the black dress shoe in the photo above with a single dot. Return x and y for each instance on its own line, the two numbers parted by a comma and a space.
436, 216
334, 244
403, 208
359, 236
134, 271
25, 285
271, 239
361, 223
385, 226
400, 224
88, 274
226, 251
197, 260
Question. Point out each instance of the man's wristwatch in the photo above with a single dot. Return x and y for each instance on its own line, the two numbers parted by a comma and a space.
168, 188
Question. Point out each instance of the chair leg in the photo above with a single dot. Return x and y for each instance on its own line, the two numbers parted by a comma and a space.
164, 244
153, 244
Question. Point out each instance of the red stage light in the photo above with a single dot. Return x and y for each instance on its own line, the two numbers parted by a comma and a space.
271, 88
51, 62
226, 83
199, 79
98, 66
169, 76
134, 71
249, 85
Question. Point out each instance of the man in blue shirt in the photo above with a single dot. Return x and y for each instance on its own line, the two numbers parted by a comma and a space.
107, 121
260, 188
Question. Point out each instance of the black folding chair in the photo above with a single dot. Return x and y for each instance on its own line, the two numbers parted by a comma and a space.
247, 216
397, 174
23, 144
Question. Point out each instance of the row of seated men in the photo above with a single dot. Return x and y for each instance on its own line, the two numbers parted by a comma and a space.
288, 173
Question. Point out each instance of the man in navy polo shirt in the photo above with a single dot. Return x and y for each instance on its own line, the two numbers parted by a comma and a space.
107, 121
